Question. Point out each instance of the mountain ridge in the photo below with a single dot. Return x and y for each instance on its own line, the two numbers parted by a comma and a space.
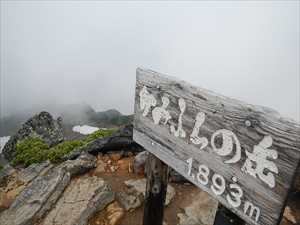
73, 114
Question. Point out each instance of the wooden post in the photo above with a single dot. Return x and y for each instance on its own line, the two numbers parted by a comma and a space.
156, 189
225, 217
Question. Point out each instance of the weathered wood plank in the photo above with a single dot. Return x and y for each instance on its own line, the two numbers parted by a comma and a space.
156, 190
188, 127
226, 217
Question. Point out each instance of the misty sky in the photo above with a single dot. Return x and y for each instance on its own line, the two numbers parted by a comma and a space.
56, 53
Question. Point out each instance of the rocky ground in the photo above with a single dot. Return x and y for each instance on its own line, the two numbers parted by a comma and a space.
102, 190
99, 183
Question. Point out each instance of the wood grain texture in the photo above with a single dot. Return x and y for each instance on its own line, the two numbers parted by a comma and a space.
226, 217
156, 190
249, 123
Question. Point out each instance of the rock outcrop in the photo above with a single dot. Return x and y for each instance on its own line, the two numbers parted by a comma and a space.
81, 199
41, 125
202, 210
119, 140
42, 192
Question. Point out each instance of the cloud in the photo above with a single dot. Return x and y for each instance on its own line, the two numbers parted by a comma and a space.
56, 53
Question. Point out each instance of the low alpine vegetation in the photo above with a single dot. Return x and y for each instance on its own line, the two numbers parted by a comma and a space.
99, 134
35, 150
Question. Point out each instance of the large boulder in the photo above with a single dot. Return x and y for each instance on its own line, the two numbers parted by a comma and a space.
41, 194
119, 140
81, 199
41, 125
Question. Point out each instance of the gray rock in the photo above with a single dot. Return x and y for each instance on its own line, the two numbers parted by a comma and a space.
41, 125
32, 171
36, 198
84, 163
82, 198
118, 141
100, 166
201, 211
130, 200
139, 186
140, 161
42, 193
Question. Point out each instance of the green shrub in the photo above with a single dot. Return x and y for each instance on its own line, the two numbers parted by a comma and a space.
1, 167
30, 150
55, 153
99, 134
35, 150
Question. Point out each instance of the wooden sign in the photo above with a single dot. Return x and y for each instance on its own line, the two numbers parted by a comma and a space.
245, 156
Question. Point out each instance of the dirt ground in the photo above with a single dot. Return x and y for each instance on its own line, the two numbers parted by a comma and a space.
184, 194
116, 179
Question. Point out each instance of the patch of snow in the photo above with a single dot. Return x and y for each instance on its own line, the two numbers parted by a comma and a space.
3, 141
85, 129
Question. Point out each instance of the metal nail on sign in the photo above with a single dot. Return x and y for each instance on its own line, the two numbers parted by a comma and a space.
245, 156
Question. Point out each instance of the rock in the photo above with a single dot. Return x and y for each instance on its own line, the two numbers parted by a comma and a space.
31, 172
113, 169
37, 198
42, 193
125, 164
202, 210
5, 173
84, 163
100, 167
284, 221
184, 220
118, 141
8, 192
7, 198
81, 199
139, 162
140, 187
170, 194
288, 214
115, 156
41, 125
114, 213
129, 201
5, 201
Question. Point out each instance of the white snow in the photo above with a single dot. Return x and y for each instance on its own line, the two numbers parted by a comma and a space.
85, 129
3, 141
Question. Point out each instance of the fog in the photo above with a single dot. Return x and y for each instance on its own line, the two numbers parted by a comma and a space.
59, 53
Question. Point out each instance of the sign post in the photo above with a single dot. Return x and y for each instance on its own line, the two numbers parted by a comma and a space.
244, 156
225, 217
156, 190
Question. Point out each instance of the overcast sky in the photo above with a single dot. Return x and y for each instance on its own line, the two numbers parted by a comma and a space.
67, 52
